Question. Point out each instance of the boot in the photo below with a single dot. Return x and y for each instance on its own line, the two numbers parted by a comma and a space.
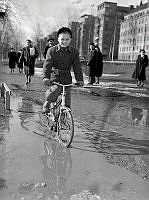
45, 108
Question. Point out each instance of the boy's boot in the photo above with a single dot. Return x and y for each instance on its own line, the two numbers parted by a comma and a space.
46, 107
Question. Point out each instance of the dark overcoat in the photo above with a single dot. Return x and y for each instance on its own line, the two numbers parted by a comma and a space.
12, 59
99, 64
92, 62
141, 64
19, 61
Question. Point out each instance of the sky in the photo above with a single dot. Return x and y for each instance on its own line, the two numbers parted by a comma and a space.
51, 14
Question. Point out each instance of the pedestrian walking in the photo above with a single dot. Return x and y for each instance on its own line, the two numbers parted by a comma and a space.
99, 64
140, 70
50, 44
12, 59
92, 63
29, 55
19, 61
57, 67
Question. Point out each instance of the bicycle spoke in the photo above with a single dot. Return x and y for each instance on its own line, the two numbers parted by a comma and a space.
65, 127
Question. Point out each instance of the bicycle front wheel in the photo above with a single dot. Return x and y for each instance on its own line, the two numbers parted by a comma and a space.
65, 127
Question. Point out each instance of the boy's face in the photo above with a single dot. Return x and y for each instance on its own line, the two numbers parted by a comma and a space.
64, 39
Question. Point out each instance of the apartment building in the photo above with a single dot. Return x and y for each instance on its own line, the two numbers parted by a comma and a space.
107, 28
75, 28
134, 33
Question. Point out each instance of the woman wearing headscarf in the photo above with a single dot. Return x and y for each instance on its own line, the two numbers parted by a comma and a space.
140, 69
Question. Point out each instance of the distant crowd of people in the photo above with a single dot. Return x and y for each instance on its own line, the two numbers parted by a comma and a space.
24, 59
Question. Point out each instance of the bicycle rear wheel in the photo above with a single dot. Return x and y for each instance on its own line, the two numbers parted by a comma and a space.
65, 127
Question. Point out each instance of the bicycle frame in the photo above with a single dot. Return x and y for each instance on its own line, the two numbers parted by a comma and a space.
63, 92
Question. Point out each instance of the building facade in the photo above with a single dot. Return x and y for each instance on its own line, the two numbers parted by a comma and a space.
107, 28
75, 28
86, 34
134, 33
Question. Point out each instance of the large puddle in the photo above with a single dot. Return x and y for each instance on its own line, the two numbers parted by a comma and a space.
108, 158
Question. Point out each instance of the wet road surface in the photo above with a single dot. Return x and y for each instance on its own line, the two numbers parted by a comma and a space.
108, 159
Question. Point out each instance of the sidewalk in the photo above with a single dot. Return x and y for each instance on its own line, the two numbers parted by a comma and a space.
110, 84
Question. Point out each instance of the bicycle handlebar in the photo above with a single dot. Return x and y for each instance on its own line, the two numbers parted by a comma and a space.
56, 83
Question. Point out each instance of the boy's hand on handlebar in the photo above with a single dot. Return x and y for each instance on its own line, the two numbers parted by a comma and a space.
80, 83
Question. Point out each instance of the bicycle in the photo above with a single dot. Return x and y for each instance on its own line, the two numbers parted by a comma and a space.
59, 119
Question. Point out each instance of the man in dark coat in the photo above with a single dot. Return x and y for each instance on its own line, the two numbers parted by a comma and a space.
99, 64
50, 44
29, 55
141, 64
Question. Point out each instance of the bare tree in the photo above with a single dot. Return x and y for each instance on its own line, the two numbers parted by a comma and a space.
11, 34
37, 36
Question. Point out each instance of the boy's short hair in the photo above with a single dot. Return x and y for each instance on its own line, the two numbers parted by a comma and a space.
92, 44
64, 30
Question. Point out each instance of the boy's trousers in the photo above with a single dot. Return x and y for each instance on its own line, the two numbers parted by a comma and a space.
55, 91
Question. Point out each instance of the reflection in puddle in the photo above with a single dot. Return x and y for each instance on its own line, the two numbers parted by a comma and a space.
4, 122
26, 113
115, 143
2, 184
118, 128
57, 166
139, 116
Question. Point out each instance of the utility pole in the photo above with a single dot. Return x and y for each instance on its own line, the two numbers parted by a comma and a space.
113, 46
144, 36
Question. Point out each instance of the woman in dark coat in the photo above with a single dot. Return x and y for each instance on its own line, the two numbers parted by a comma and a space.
99, 64
92, 63
12, 59
141, 64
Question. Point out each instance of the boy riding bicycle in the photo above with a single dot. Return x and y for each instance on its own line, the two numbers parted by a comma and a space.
57, 67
